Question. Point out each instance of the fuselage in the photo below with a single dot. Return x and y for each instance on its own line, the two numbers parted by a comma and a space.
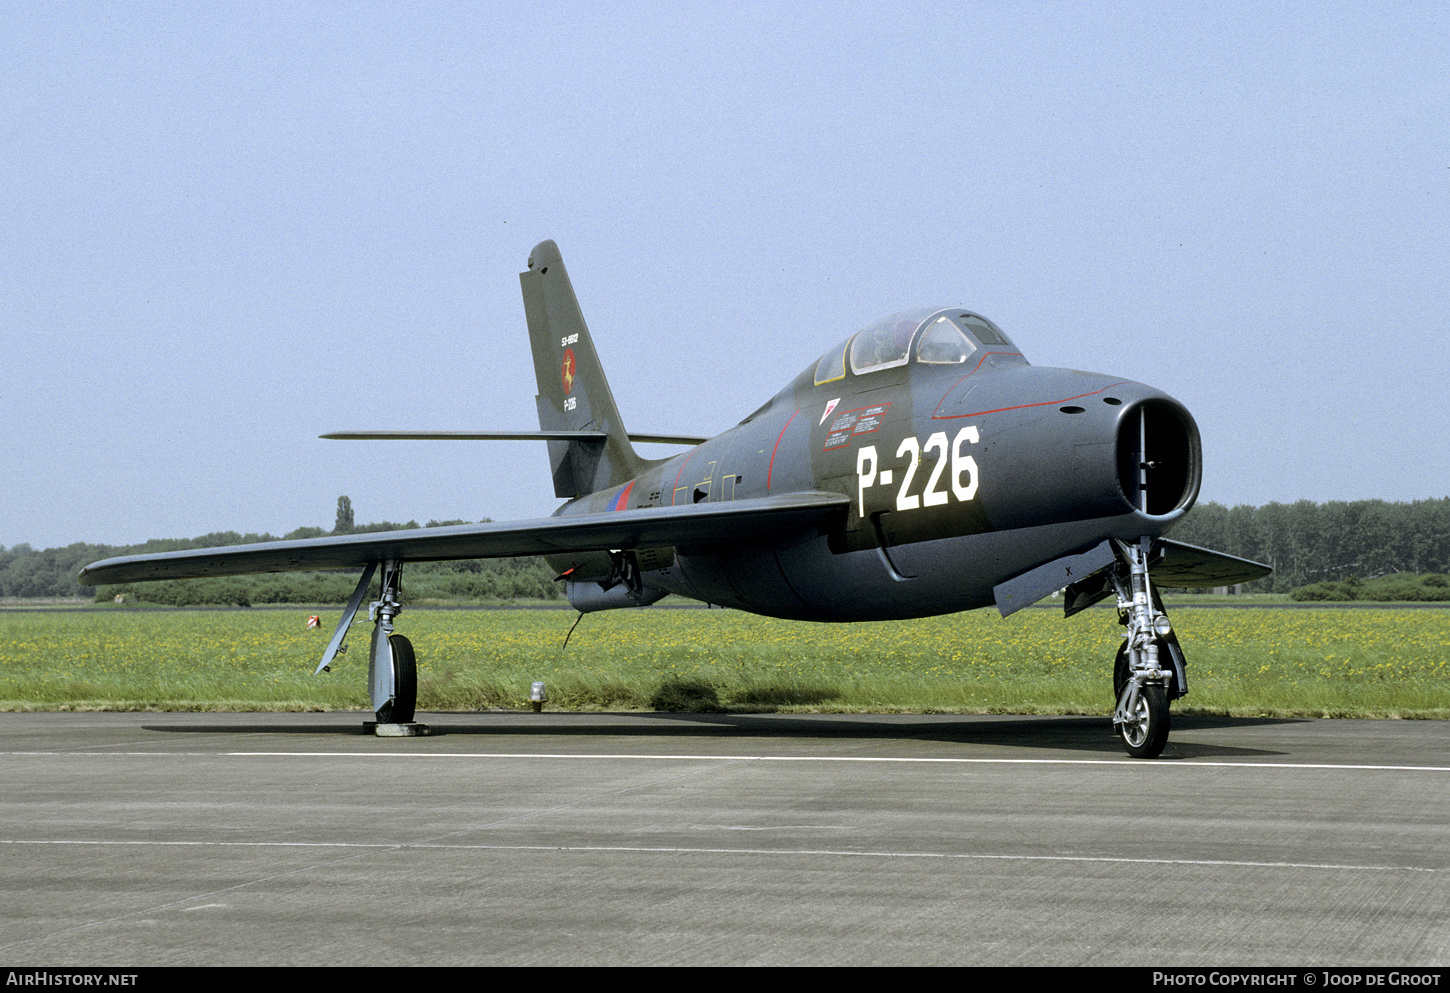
965, 466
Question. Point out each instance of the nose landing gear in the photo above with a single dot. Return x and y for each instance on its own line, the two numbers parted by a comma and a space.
1149, 671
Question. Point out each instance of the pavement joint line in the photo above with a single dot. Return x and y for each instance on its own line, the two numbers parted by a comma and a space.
1131, 763
681, 850
247, 884
673, 757
366, 850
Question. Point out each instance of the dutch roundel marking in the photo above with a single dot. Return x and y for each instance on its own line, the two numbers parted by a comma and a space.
567, 371
962, 484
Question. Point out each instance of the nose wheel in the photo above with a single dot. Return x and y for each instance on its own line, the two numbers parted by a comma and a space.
1144, 727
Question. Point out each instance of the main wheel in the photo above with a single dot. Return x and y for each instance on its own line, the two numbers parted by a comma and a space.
1145, 732
405, 680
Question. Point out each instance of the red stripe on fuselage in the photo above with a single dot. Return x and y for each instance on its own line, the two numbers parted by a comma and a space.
681, 472
937, 415
783, 430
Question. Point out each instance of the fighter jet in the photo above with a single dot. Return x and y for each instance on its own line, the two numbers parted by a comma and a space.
922, 466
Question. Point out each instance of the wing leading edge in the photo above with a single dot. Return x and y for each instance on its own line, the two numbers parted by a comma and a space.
1084, 575
698, 524
599, 436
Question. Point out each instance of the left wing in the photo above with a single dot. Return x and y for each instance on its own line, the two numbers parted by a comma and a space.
1190, 566
646, 527
600, 436
1084, 575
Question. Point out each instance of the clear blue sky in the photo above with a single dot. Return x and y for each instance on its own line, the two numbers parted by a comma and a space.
230, 228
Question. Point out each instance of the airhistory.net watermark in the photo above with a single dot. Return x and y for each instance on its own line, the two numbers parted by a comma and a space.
68, 977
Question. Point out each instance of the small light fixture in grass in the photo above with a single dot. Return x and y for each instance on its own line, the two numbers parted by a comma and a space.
537, 696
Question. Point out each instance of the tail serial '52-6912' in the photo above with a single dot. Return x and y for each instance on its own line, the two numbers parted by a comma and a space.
921, 467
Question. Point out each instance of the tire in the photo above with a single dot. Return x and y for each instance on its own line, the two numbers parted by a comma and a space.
1120, 673
405, 680
1146, 732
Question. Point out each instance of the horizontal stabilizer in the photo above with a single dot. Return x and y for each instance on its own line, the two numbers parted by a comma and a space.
646, 527
600, 436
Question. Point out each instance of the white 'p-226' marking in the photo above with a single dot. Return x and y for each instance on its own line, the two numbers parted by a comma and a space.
963, 465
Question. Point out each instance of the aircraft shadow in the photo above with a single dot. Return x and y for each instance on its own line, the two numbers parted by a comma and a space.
1077, 734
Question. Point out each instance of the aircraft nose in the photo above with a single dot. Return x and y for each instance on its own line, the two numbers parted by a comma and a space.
1108, 448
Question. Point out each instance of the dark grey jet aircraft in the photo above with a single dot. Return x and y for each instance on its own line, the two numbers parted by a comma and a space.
921, 467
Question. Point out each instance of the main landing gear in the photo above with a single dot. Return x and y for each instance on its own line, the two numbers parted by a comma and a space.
1149, 671
392, 666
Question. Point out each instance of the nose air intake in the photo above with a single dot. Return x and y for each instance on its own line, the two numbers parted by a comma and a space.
1159, 462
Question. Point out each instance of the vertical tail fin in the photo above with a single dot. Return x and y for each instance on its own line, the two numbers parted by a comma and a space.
573, 393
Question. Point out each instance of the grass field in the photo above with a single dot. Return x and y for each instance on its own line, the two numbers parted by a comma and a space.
1319, 662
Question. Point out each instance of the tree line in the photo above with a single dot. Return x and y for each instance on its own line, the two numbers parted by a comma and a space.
1309, 543
1306, 543
30, 573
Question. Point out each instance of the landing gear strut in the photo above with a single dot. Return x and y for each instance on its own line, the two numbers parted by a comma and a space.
392, 666
1149, 671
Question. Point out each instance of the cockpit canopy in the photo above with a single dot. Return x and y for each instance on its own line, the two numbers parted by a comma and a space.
941, 337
